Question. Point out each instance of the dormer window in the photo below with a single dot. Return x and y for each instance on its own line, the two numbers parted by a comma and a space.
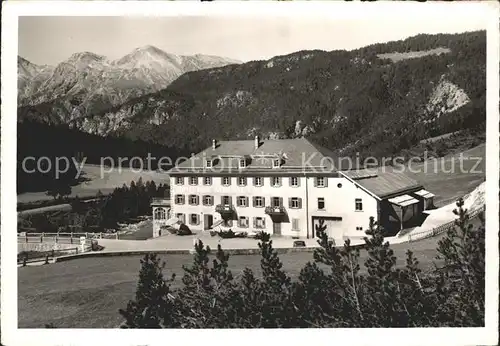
208, 163
276, 163
243, 163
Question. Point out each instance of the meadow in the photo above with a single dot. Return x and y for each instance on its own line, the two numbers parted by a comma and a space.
87, 293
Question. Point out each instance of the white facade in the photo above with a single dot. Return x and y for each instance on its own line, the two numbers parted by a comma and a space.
339, 199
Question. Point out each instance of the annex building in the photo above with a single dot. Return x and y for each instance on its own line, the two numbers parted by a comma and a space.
284, 187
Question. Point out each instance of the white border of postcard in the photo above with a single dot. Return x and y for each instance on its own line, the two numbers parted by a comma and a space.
11, 335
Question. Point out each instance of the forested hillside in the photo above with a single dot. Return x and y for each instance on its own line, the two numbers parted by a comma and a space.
39, 140
378, 100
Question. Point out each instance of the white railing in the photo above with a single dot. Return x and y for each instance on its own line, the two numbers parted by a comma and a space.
443, 228
62, 238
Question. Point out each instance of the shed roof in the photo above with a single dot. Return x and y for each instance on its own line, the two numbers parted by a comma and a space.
403, 200
383, 181
424, 193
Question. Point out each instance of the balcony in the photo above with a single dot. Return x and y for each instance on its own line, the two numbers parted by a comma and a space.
224, 209
279, 210
160, 201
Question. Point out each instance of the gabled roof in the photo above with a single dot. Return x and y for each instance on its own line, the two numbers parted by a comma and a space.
383, 182
299, 154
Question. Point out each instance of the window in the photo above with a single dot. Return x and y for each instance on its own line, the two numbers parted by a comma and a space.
242, 181
359, 204
226, 200
243, 163
208, 163
276, 202
193, 200
258, 202
276, 163
295, 203
242, 201
179, 199
321, 203
181, 217
359, 228
226, 181
160, 214
320, 182
259, 222
276, 181
179, 180
257, 181
227, 223
207, 181
194, 219
294, 181
208, 200
243, 222
295, 224
193, 181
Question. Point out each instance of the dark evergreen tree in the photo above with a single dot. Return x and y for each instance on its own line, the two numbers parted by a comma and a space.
152, 307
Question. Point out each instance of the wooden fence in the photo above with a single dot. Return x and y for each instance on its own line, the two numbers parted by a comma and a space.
62, 238
443, 228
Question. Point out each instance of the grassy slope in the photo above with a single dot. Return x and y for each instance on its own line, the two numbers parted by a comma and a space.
88, 292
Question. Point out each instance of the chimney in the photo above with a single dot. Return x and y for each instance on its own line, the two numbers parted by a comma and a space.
214, 144
257, 142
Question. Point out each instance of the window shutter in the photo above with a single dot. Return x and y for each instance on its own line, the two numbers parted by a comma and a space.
281, 201
247, 203
230, 200
264, 223
289, 202
298, 181
279, 181
221, 199
263, 201
316, 182
300, 203
254, 222
290, 179
253, 201
325, 179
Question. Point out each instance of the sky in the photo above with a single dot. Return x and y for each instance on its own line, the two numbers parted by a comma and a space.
51, 40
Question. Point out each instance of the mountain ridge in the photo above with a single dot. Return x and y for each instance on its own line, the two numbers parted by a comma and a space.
349, 101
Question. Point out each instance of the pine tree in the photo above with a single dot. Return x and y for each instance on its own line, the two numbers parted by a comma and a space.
196, 293
152, 306
277, 309
463, 273
382, 300
345, 284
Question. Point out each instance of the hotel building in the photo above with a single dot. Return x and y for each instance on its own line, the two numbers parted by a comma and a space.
284, 187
